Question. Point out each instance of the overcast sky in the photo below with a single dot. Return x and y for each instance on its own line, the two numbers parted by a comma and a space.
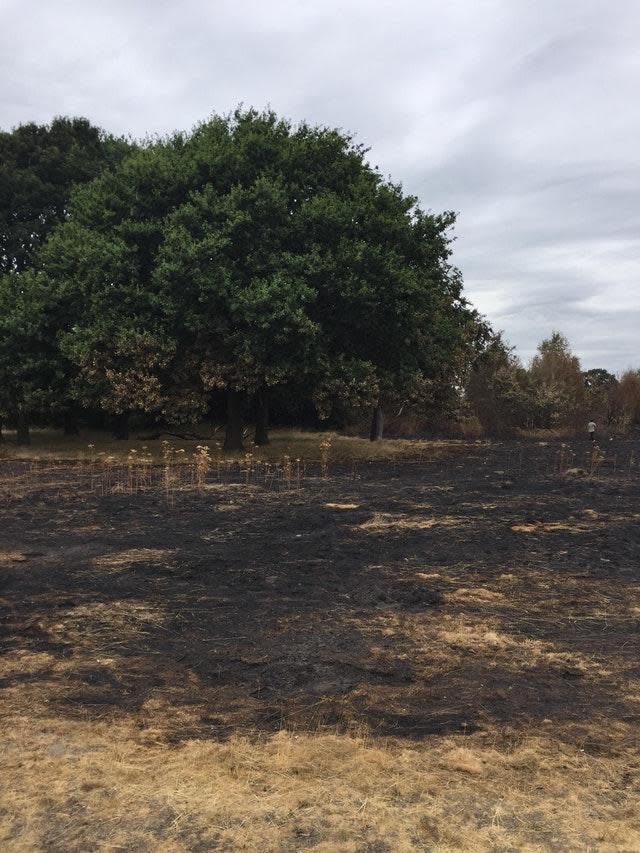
521, 115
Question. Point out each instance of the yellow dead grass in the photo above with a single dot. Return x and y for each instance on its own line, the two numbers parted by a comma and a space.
105, 787
550, 527
77, 784
122, 560
481, 638
471, 594
401, 521
590, 521
8, 557
297, 444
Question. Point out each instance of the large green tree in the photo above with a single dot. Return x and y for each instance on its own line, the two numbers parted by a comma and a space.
248, 255
239, 263
301, 260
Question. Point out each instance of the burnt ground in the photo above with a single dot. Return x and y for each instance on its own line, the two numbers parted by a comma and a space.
322, 605
484, 592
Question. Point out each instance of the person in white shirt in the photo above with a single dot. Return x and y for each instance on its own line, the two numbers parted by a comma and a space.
591, 429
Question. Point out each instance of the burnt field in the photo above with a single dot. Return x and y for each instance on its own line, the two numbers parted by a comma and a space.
431, 654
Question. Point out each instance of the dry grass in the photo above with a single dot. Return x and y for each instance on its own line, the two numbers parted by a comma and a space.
554, 434
587, 521
123, 560
402, 521
482, 639
297, 444
87, 785
105, 466
8, 557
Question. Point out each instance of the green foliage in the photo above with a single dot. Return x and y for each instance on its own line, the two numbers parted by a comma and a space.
499, 390
559, 384
102, 260
598, 379
33, 372
249, 255
39, 165
230, 286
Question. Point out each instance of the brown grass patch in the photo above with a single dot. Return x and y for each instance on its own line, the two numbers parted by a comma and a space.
106, 787
401, 521
481, 637
591, 519
7, 557
122, 560
549, 527
479, 594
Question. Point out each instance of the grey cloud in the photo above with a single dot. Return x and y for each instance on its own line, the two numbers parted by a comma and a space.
521, 116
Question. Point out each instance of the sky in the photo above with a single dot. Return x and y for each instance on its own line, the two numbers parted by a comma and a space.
521, 116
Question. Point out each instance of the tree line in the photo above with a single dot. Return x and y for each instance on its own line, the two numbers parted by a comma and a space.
554, 393
246, 266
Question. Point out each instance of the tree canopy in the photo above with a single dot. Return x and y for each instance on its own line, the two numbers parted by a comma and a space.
247, 256
39, 166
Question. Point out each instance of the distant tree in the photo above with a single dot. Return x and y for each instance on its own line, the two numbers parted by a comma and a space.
558, 382
626, 399
599, 378
601, 396
499, 391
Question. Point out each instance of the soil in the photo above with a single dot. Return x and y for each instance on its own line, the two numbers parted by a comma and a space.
485, 592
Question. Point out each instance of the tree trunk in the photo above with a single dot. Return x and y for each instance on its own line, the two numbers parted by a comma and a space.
71, 423
233, 434
262, 418
120, 427
377, 424
23, 436
1, 436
